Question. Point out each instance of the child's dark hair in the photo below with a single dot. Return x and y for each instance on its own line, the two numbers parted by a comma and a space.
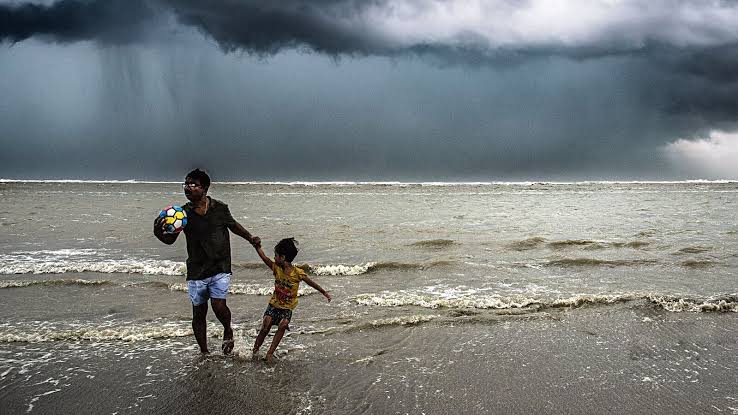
200, 176
288, 248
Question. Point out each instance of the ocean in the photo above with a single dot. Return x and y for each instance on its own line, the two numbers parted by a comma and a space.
534, 297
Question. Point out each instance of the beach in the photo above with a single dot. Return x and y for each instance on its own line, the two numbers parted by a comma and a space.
588, 297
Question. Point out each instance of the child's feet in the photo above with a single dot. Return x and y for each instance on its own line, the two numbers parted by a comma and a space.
228, 342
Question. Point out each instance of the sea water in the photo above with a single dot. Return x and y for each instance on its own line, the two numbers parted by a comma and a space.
82, 274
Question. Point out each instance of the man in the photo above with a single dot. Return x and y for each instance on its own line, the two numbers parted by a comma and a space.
208, 255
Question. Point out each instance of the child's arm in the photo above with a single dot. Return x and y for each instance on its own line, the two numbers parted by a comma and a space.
267, 261
315, 285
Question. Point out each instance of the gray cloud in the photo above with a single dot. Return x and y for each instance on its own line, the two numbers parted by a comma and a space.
487, 29
109, 21
144, 93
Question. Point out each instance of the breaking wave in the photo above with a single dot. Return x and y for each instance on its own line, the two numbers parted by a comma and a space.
235, 288
676, 304
124, 266
20, 284
247, 289
46, 331
411, 320
370, 267
481, 301
339, 269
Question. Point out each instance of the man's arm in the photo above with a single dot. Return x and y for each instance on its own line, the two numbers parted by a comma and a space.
167, 238
242, 232
315, 285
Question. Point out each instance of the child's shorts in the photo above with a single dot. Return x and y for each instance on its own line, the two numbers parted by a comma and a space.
278, 314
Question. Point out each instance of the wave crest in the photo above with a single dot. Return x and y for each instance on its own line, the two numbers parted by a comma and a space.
527, 244
21, 284
128, 332
147, 267
477, 301
676, 304
434, 243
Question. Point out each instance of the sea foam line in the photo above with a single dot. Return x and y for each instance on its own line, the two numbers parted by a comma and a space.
235, 288
478, 300
125, 266
77, 261
44, 331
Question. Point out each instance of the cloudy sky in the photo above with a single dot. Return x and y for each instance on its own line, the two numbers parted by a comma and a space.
369, 90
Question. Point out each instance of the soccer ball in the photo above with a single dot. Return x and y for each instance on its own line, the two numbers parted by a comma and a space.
175, 218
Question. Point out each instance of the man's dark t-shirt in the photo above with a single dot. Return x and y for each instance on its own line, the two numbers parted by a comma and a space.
208, 240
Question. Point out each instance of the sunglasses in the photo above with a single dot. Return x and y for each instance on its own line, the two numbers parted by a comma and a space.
190, 185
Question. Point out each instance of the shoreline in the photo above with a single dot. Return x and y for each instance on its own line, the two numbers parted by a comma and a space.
589, 360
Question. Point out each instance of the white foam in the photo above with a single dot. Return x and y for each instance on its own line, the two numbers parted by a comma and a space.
42, 331
404, 320
690, 305
452, 298
28, 283
460, 297
109, 266
342, 269
247, 289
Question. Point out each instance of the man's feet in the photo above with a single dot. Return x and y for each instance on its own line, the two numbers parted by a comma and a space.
269, 358
227, 346
228, 342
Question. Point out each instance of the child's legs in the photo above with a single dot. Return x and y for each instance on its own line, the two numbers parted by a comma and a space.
266, 324
278, 336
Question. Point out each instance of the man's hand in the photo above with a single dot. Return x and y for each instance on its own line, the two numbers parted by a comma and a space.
159, 231
255, 242
327, 295
159, 225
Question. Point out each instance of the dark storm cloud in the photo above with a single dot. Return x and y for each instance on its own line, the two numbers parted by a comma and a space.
718, 64
108, 21
476, 31
324, 26
514, 88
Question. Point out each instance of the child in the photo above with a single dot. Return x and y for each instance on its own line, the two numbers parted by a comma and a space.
286, 281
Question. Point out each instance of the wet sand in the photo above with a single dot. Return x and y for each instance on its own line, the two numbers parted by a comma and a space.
623, 358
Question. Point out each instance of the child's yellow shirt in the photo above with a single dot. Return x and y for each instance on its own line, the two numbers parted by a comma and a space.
285, 287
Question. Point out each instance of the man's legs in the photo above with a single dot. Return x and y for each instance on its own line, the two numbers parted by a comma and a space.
197, 289
218, 291
199, 325
221, 310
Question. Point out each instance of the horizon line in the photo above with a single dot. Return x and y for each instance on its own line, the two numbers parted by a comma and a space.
379, 182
